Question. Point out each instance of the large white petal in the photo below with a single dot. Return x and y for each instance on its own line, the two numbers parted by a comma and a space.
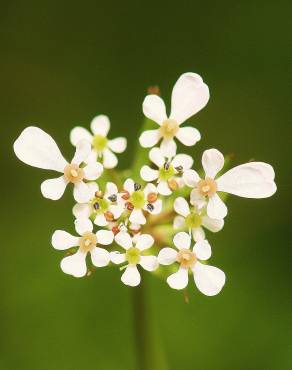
149, 138
129, 185
54, 188
62, 240
212, 224
247, 181
148, 174
75, 265
79, 133
93, 170
124, 240
82, 210
38, 149
149, 263
189, 95
149, 188
198, 233
168, 148
179, 222
213, 162
110, 160
100, 220
105, 237
167, 256
82, 192
144, 241
157, 157
182, 240
100, 125
178, 280
188, 135
100, 257
157, 207
191, 178
265, 168
131, 276
202, 250
116, 210
196, 199
154, 108
163, 188
137, 217
209, 279
83, 225
216, 208
184, 160
181, 206
118, 145
110, 189
83, 149
117, 257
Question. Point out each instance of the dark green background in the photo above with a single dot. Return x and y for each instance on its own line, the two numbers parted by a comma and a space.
62, 63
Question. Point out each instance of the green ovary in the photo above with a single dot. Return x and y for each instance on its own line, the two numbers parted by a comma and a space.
193, 220
138, 199
165, 175
99, 143
103, 205
133, 256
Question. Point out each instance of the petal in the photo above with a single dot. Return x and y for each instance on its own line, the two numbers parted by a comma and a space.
157, 207
154, 108
149, 263
181, 206
75, 265
100, 220
168, 148
178, 280
149, 138
216, 208
202, 249
83, 149
105, 237
144, 241
149, 188
189, 95
110, 160
213, 162
131, 276
82, 192
62, 240
118, 145
208, 279
117, 257
265, 168
182, 240
100, 257
124, 240
82, 210
163, 188
179, 222
191, 178
79, 133
38, 149
129, 185
93, 170
156, 156
247, 181
212, 224
116, 210
100, 125
137, 217
198, 234
83, 225
197, 200
110, 189
188, 135
184, 160
167, 256
93, 188
54, 188
148, 174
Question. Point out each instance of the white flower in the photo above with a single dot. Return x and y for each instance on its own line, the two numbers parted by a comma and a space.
102, 207
38, 149
250, 180
134, 256
87, 242
168, 172
208, 279
138, 200
189, 95
194, 219
101, 145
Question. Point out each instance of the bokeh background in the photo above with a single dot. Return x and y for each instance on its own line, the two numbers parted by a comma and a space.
64, 62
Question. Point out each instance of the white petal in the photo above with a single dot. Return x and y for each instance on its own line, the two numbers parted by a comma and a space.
167, 256
105, 237
163, 188
144, 241
117, 257
202, 249
178, 280
198, 234
213, 162
157, 207
179, 222
116, 210
149, 188
191, 178
209, 279
168, 148
83, 225
182, 240
212, 224
137, 217
197, 200
189, 95
181, 206
38, 149
129, 185
79, 133
100, 257
82, 192
265, 168
118, 145
124, 240
154, 108
247, 181
184, 160
148, 174
83, 149
93, 188
131, 276
100, 220
93, 170
110, 189
149, 138
109, 159
82, 210
216, 208
62, 240
74, 265
54, 188
188, 135
100, 125
156, 156
149, 263
93, 156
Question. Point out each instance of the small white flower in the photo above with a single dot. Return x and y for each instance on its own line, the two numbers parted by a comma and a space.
249, 180
168, 172
38, 149
101, 145
138, 200
194, 219
208, 279
87, 242
189, 95
134, 256
102, 207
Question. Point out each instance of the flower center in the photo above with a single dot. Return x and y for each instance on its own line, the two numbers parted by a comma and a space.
186, 258
169, 128
207, 187
133, 256
166, 172
99, 143
193, 220
138, 199
99, 205
87, 242
73, 173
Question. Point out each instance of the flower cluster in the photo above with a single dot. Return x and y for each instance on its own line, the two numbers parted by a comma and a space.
160, 220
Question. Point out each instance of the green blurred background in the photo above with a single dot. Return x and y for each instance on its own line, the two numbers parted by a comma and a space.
61, 64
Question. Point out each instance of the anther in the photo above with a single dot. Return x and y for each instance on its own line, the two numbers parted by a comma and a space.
115, 230
173, 185
125, 195
129, 206
137, 186
99, 194
179, 169
152, 197
150, 207
109, 216
112, 198
96, 206
166, 166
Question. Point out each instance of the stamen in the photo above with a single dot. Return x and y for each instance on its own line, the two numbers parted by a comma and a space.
109, 216
129, 206
126, 194
137, 186
113, 198
150, 207
166, 166
179, 169
152, 197
173, 185
96, 206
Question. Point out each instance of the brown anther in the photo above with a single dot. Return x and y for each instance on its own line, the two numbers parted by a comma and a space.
153, 90
73, 173
152, 197
109, 216
115, 230
99, 194
129, 206
207, 187
173, 185
126, 194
